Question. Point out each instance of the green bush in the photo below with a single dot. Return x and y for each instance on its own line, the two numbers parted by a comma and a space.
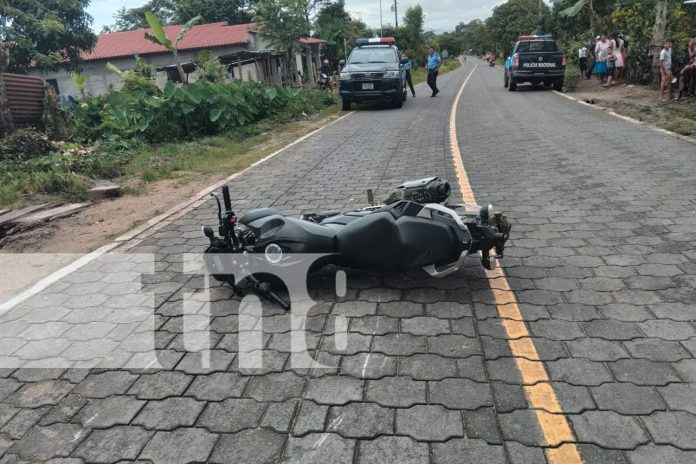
185, 112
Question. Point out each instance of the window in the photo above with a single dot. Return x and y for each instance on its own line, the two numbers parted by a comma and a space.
372, 55
537, 46
53, 83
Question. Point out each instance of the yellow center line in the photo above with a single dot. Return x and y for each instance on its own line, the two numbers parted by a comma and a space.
536, 384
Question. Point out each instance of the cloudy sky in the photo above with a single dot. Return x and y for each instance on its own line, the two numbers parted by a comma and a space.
440, 15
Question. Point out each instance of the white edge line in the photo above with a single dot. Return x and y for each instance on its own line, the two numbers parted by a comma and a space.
153, 225
628, 118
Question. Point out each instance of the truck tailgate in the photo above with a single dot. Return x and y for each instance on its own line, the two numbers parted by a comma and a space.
538, 62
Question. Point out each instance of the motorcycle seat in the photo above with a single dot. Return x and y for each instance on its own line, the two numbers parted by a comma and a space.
256, 214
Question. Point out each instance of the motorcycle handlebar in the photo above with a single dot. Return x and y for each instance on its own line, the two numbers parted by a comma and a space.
226, 198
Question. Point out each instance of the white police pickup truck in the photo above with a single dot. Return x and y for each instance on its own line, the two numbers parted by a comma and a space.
537, 60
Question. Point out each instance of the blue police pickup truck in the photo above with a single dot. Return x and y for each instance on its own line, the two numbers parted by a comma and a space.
537, 60
374, 71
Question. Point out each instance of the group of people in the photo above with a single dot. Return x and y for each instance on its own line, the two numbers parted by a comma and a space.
686, 76
606, 57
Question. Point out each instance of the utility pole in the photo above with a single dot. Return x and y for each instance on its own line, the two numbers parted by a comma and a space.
396, 13
381, 29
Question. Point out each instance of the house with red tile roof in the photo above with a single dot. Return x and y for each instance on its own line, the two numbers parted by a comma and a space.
239, 47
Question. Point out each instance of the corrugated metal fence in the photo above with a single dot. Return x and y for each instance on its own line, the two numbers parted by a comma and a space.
26, 95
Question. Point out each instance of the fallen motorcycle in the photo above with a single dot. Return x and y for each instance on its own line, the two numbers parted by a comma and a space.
414, 229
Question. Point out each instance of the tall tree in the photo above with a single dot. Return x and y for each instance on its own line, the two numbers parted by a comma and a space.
514, 18
134, 18
47, 33
412, 34
282, 23
330, 24
658, 36
232, 11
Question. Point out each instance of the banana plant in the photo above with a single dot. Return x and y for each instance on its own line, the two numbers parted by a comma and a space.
80, 80
159, 37
578, 7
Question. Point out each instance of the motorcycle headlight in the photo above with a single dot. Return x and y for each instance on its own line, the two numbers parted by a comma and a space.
345, 76
392, 74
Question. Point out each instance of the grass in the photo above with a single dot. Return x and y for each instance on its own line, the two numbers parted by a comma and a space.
220, 154
420, 75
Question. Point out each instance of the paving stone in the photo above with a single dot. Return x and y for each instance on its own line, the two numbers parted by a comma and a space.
454, 346
355, 308
398, 344
249, 446
464, 326
37, 374
275, 387
556, 330
374, 325
22, 421
361, 420
429, 423
686, 369
680, 396
668, 330
592, 453
319, 448
449, 310
310, 418
169, 413
460, 394
608, 429
656, 349
46, 392
42, 443
471, 368
279, 416
427, 367
643, 371
674, 428
7, 387
232, 415
401, 309
369, 365
626, 312
650, 454
396, 391
114, 444
573, 399
160, 385
522, 426
336, 390
627, 398
521, 454
347, 344
504, 369
508, 397
467, 450
425, 326
181, 446
392, 449
106, 384
597, 349
65, 410
194, 363
482, 423
578, 371
611, 329
674, 311
115, 410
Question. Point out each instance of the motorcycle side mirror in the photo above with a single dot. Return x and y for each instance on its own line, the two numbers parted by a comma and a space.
208, 232
342, 62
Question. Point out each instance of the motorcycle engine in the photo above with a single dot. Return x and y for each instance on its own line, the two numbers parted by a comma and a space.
429, 190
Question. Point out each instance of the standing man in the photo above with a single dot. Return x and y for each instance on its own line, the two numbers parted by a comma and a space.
407, 70
434, 62
582, 56
666, 70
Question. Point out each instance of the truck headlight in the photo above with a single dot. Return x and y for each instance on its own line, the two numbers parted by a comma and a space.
345, 76
392, 74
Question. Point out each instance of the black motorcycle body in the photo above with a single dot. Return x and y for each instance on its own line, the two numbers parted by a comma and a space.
413, 230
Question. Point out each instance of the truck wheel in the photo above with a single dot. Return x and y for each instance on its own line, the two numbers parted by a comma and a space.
512, 85
398, 101
506, 80
346, 104
558, 85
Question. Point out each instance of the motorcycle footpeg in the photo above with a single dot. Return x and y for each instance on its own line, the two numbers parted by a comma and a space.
490, 263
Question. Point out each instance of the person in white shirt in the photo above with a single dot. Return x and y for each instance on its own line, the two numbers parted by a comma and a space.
582, 55
602, 55
666, 69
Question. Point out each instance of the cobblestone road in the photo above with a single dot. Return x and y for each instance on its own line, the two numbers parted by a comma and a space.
602, 263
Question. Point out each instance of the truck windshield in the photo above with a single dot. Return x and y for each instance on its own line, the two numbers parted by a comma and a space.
372, 55
536, 46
